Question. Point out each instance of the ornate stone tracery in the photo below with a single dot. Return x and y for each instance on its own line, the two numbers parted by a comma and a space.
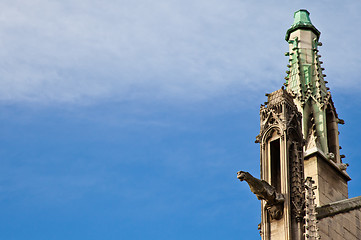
281, 144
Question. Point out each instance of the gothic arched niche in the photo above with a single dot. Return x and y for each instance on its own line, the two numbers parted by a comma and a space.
271, 133
332, 132
272, 141
308, 119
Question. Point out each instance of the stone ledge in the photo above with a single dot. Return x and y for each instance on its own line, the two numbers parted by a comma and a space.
315, 151
335, 208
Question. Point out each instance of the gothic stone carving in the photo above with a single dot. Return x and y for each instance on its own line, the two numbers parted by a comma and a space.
264, 191
287, 118
296, 165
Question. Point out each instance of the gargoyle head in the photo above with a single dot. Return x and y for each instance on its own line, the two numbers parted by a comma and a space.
241, 175
275, 211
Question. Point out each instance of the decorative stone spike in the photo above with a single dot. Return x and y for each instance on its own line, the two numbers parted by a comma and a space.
311, 229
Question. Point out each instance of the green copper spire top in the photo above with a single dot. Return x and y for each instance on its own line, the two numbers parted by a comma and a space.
302, 21
301, 17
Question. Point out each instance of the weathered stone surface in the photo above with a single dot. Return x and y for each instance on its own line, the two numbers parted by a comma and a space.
311, 229
331, 182
339, 207
340, 220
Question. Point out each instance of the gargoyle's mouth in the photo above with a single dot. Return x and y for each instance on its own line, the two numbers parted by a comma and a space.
240, 176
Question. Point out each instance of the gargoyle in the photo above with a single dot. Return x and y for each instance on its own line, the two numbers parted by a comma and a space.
264, 191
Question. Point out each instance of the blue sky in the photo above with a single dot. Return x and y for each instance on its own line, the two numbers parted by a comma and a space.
130, 119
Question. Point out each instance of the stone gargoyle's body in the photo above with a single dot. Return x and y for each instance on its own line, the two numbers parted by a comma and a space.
264, 191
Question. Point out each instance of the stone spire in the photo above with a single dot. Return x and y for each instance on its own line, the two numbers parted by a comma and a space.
306, 80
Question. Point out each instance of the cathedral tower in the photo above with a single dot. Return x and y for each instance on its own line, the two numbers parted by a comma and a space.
303, 186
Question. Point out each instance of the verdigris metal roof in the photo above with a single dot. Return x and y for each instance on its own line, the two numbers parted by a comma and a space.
302, 21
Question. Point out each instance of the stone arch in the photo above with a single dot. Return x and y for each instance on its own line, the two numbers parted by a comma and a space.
272, 139
269, 133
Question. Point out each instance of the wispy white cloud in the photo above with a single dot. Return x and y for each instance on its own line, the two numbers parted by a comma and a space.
92, 50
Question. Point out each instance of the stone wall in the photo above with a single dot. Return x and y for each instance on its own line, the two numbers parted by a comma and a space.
331, 182
340, 220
